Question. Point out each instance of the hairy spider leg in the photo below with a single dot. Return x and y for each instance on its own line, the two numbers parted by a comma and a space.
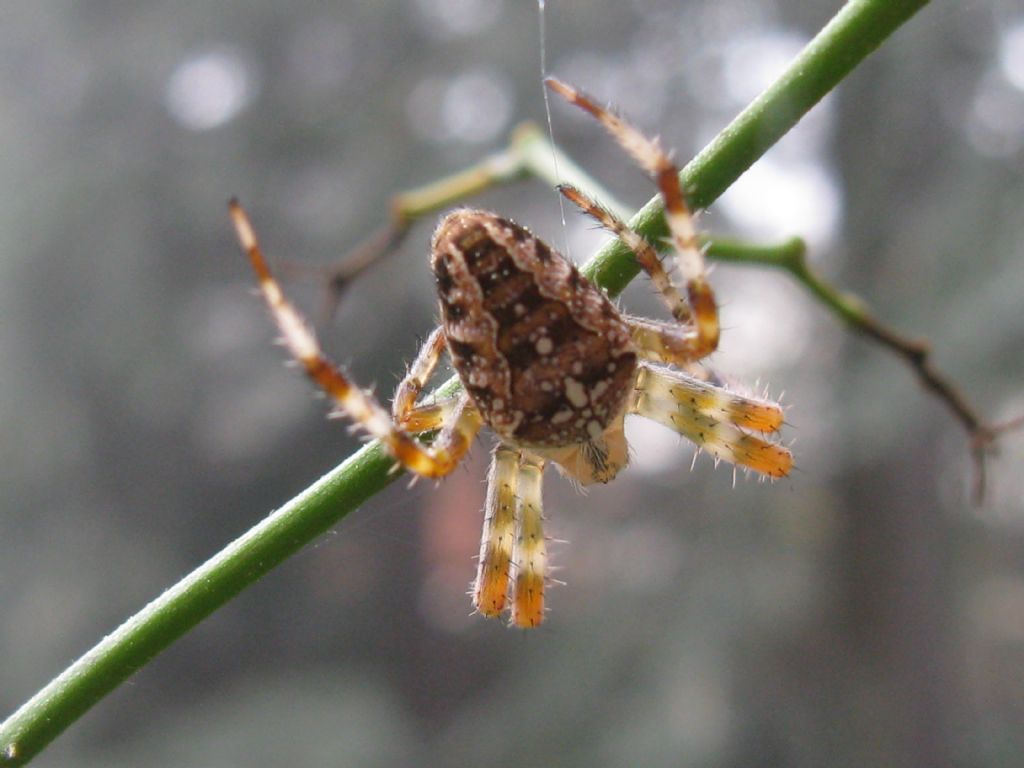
513, 550
490, 590
644, 252
429, 416
669, 343
456, 433
689, 258
530, 553
665, 342
416, 378
713, 418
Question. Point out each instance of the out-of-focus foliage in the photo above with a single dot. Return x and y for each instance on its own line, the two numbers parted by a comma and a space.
859, 612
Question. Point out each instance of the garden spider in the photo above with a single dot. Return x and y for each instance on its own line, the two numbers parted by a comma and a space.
550, 365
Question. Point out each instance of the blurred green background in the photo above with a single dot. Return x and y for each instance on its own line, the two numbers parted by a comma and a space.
860, 612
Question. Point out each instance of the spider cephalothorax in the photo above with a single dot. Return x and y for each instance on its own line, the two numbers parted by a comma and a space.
550, 365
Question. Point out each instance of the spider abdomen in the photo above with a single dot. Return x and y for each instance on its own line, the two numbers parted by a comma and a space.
544, 354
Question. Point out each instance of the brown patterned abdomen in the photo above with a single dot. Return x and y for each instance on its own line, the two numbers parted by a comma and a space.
545, 355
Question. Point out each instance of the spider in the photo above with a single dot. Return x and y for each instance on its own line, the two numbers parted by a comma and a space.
550, 364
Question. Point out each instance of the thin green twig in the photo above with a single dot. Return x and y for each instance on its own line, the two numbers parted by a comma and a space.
858, 28
791, 257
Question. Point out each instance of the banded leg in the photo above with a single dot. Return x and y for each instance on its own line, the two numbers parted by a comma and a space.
459, 423
490, 590
665, 342
456, 417
513, 547
530, 554
362, 407
689, 257
419, 372
427, 417
645, 254
713, 418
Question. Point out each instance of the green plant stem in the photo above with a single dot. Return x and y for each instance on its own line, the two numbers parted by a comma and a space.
184, 605
858, 28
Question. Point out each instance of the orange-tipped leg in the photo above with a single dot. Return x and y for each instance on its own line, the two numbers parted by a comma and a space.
714, 419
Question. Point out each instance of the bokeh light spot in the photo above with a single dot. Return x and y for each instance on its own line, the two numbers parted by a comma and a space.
1011, 54
474, 107
777, 199
208, 89
446, 19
